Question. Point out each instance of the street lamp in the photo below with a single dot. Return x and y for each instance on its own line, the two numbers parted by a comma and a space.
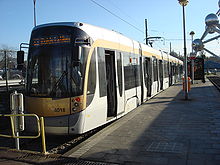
183, 3
192, 33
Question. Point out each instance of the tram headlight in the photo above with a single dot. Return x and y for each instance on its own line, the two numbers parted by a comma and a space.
76, 104
74, 109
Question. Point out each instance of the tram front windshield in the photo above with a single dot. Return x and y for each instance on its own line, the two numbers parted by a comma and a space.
55, 65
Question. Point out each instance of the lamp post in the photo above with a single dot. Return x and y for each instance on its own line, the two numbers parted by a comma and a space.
183, 3
192, 33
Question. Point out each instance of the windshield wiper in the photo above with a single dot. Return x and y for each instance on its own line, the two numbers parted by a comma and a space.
58, 81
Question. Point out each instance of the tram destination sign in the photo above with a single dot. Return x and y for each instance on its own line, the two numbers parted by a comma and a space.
51, 40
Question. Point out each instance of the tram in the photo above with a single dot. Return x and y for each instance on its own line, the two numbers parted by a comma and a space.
80, 76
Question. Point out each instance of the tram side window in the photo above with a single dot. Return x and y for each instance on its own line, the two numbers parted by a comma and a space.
119, 70
160, 68
178, 69
128, 72
92, 76
155, 69
137, 71
166, 73
175, 69
131, 70
181, 69
102, 72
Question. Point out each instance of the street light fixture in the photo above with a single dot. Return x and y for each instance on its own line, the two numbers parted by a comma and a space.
183, 3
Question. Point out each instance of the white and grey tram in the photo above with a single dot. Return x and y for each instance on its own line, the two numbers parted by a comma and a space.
80, 76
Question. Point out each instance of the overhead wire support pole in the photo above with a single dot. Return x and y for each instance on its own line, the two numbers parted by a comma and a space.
146, 32
35, 13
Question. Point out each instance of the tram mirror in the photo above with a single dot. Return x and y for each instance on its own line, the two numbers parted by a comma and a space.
20, 59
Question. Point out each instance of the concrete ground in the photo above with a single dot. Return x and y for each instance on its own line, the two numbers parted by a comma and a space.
166, 130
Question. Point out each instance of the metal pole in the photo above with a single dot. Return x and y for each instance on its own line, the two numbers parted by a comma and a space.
146, 31
170, 48
6, 72
34, 13
185, 55
192, 64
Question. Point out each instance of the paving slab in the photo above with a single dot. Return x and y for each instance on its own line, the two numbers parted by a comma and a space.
166, 130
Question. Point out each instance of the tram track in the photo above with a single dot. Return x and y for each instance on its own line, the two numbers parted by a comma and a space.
215, 80
55, 144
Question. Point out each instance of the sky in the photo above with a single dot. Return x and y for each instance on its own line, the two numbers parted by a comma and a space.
164, 19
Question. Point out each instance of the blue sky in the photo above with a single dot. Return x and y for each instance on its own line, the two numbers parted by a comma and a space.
164, 18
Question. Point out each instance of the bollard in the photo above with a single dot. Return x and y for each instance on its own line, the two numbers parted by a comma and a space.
189, 83
17, 107
43, 135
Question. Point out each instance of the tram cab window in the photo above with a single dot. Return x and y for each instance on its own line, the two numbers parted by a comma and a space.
60, 58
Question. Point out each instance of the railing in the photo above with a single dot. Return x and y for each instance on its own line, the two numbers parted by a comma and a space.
40, 128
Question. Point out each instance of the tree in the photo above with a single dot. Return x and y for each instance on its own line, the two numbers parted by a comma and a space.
10, 56
174, 54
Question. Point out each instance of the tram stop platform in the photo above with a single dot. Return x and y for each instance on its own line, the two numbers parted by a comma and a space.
166, 130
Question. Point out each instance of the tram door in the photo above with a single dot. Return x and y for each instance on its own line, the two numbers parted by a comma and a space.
111, 83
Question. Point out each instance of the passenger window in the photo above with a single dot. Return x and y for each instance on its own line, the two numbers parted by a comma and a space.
119, 70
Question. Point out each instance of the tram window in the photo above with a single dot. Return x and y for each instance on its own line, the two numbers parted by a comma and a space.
137, 71
155, 69
92, 76
166, 73
119, 70
147, 71
128, 72
131, 71
102, 73
160, 69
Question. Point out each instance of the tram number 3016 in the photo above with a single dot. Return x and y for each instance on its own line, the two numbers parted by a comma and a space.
59, 109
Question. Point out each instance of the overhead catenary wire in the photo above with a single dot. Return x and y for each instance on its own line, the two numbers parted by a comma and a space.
117, 16
119, 9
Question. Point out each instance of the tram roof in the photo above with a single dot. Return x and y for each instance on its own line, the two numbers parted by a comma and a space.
99, 33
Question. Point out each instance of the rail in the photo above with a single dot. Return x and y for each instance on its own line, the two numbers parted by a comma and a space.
40, 129
215, 80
